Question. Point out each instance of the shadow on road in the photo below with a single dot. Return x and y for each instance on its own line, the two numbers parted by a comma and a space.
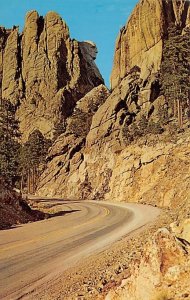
41, 216
62, 213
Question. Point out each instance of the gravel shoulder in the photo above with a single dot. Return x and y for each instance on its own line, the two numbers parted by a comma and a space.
94, 276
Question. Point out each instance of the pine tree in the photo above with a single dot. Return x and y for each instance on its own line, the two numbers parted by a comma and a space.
33, 154
59, 128
9, 143
175, 71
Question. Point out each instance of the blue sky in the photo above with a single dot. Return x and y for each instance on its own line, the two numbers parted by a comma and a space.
96, 20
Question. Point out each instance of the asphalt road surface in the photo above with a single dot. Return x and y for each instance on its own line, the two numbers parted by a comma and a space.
33, 253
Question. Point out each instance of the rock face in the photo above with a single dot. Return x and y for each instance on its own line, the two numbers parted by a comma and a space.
140, 42
137, 173
4, 33
67, 153
44, 72
125, 146
129, 169
163, 272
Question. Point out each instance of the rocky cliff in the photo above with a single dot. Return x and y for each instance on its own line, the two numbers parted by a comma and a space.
123, 145
141, 41
133, 142
67, 155
163, 271
44, 72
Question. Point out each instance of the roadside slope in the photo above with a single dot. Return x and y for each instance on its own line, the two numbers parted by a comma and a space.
87, 228
14, 210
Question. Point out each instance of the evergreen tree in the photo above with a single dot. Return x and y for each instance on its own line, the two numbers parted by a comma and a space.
37, 147
9, 143
33, 154
59, 128
175, 71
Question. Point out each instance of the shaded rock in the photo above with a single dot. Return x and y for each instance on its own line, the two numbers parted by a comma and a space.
15, 210
44, 73
123, 142
66, 158
140, 42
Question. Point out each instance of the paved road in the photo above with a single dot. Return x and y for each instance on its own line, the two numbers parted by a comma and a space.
34, 252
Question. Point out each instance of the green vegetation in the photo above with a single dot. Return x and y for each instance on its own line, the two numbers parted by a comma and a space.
173, 81
175, 72
80, 123
59, 128
20, 165
9, 144
138, 129
32, 160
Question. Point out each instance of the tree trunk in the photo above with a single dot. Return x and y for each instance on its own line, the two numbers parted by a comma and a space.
180, 117
32, 178
21, 183
28, 182
35, 178
175, 108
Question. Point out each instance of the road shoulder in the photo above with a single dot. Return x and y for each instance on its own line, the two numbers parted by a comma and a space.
94, 276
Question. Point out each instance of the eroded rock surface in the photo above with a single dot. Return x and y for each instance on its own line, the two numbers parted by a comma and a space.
139, 173
124, 141
163, 272
140, 42
66, 156
44, 72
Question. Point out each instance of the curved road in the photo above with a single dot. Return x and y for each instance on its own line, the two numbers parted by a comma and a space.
35, 252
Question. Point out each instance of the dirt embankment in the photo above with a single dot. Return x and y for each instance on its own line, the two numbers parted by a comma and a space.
15, 210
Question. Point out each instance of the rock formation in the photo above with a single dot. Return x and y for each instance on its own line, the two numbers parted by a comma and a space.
43, 72
138, 173
140, 42
163, 272
67, 153
134, 145
124, 144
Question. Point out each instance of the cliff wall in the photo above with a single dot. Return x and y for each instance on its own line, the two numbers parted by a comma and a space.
133, 143
140, 41
44, 72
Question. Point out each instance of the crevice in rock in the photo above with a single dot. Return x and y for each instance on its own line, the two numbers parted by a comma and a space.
122, 118
69, 99
148, 48
184, 13
72, 57
151, 160
62, 74
184, 244
19, 57
3, 39
64, 150
121, 104
76, 149
40, 24
46, 179
109, 130
150, 112
155, 90
86, 187
169, 15
46, 44
145, 83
